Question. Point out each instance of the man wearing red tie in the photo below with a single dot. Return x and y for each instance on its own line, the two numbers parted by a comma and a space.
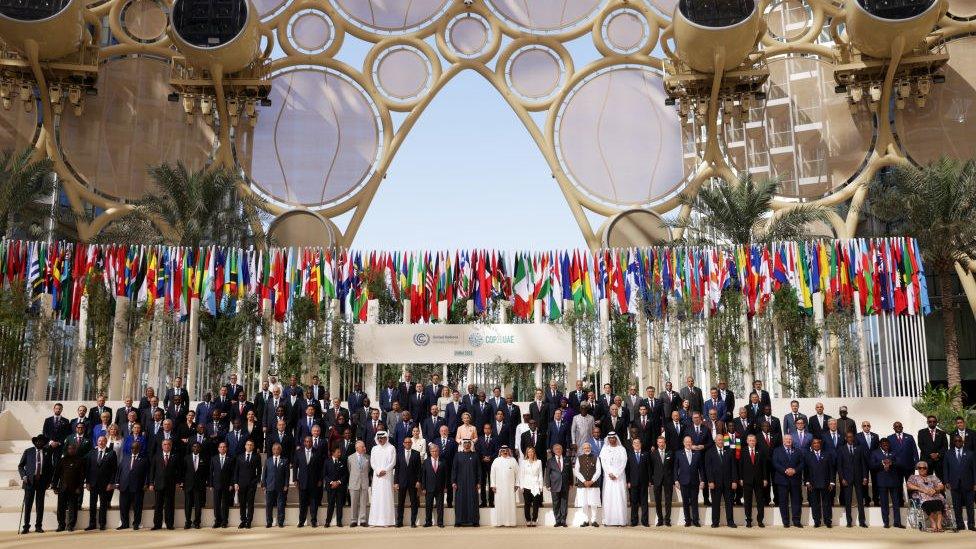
754, 477
162, 481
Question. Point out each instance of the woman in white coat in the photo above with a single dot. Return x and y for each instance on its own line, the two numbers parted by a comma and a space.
530, 479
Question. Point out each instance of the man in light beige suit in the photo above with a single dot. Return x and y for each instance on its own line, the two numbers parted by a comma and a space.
358, 464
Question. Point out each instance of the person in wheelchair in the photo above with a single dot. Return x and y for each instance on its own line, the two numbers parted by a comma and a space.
929, 492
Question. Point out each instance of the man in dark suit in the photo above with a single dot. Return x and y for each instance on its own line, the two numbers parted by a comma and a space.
319, 392
647, 428
222, 481
742, 425
233, 387
662, 477
100, 481
967, 435
354, 400
486, 447
603, 403
82, 418
481, 412
236, 438
715, 403
303, 428
176, 390
905, 450
406, 387
500, 427
817, 423
430, 427
820, 473
433, 482
534, 438
693, 395
247, 476
870, 442
131, 480
274, 480
281, 435
448, 449
539, 411
670, 400
790, 419
614, 420
122, 413
388, 395
558, 478
852, 470
577, 396
764, 400
404, 429
293, 391
754, 478
674, 432
163, 476
96, 411
513, 414
788, 477
638, 477
194, 485
553, 396
308, 481
689, 476
959, 474
433, 390
933, 445
890, 482
335, 479
722, 476
417, 402
240, 407
774, 424
406, 481
701, 436
56, 429
727, 396
177, 411
558, 431
36, 470
334, 411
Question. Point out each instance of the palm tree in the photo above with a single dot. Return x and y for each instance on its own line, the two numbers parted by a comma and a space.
935, 204
739, 214
25, 192
198, 208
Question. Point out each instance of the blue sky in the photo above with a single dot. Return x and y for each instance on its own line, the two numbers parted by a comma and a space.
468, 175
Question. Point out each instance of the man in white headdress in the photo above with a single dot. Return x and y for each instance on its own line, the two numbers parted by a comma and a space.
504, 483
382, 459
613, 462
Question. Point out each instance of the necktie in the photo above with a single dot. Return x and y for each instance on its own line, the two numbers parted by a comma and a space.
40, 459
818, 455
752, 455
247, 458
637, 455
559, 462
644, 421
101, 454
165, 460
688, 455
959, 453
196, 461
132, 462
720, 453
850, 449
276, 462
221, 462
434, 463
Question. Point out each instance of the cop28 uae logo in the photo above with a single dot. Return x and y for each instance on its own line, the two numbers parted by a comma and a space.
476, 339
421, 339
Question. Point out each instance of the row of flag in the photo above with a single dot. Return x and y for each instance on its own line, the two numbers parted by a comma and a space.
882, 275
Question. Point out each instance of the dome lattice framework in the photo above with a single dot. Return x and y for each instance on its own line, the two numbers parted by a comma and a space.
817, 93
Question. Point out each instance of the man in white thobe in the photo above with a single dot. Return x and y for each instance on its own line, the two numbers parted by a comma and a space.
382, 460
613, 461
504, 483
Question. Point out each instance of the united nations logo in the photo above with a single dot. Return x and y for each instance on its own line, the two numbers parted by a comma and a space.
476, 339
421, 339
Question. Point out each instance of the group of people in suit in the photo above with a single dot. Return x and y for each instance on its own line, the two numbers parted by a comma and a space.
696, 443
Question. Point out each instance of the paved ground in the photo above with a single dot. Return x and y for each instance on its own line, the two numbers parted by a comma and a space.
495, 538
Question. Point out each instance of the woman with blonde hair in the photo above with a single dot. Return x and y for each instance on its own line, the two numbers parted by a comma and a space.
466, 430
530, 480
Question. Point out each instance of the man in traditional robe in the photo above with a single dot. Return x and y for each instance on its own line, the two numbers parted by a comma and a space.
464, 479
613, 462
504, 483
382, 459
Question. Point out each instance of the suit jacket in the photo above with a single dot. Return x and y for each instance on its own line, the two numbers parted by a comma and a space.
333, 471
647, 430
764, 399
177, 414
358, 475
753, 473
703, 436
387, 396
28, 467
205, 411
302, 428
485, 448
56, 429
869, 445
828, 440
133, 474
480, 414
559, 480
558, 435
618, 425
85, 421
802, 440
729, 399
431, 481
235, 442
332, 415
959, 474
164, 475
817, 427
632, 404
452, 416
891, 478
407, 471
718, 405
603, 402
236, 411
418, 405
195, 479
247, 473
688, 472
742, 431
101, 473
284, 438
553, 398
775, 441
403, 431
906, 453
968, 438
146, 418
576, 398
819, 473
927, 446
789, 422
307, 472
222, 477
638, 472
504, 433
95, 414
275, 479
541, 414
774, 424
172, 391
122, 414
783, 460
289, 391
674, 437
694, 396
852, 466
540, 443
722, 470
431, 426
432, 392
662, 470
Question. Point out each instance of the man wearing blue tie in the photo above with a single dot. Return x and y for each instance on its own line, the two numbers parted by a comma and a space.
689, 479
959, 474
820, 480
274, 480
788, 477
890, 480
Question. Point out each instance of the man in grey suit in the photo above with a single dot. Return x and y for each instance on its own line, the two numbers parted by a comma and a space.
559, 478
358, 465
693, 395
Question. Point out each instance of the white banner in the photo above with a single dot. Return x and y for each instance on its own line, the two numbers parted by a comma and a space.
461, 343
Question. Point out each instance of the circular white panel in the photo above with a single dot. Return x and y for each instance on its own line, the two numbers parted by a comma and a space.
129, 126
546, 16
626, 31
617, 140
392, 16
317, 143
468, 35
144, 20
944, 126
535, 72
402, 73
310, 31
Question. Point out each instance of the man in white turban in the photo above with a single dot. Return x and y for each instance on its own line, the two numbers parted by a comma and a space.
613, 462
504, 483
382, 460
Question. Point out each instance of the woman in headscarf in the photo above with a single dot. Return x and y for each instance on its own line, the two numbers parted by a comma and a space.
587, 472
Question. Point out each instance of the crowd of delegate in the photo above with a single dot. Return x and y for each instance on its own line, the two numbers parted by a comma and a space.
614, 454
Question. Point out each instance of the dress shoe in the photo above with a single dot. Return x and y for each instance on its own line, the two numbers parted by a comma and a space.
354, 524
902, 526
441, 525
187, 526
715, 526
797, 525
40, 530
732, 525
584, 525
427, 525
171, 528
863, 525
697, 524
60, 529
88, 528
281, 526
154, 528
197, 526
659, 523
301, 525
748, 525
595, 525
667, 523
123, 527
760, 524
268, 525
136, 527
101, 527
972, 528
314, 524
25, 530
